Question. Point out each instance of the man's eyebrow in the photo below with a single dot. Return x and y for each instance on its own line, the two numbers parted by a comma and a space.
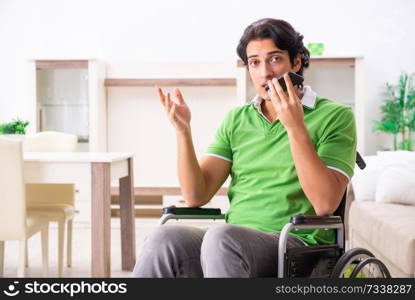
269, 53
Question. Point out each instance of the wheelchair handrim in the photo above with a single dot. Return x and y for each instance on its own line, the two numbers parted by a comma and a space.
361, 256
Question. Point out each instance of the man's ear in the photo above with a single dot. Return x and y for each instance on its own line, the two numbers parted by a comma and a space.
297, 63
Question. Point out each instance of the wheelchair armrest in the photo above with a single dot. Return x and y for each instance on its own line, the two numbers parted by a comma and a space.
195, 213
315, 220
190, 211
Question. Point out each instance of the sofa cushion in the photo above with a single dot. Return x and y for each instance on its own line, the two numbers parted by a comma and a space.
388, 228
364, 181
387, 158
396, 184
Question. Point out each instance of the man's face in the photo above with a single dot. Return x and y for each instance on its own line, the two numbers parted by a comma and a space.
266, 61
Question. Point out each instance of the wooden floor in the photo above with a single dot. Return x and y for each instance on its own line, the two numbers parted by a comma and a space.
82, 249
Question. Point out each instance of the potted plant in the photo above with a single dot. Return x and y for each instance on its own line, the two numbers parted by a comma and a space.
15, 129
398, 113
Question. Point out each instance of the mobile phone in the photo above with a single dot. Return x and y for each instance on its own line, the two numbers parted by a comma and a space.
296, 79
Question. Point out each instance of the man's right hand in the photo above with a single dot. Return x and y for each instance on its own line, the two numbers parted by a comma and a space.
178, 112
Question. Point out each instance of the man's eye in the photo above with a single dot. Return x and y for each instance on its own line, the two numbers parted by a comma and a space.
253, 63
275, 59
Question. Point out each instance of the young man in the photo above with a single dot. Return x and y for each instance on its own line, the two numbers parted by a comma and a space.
288, 153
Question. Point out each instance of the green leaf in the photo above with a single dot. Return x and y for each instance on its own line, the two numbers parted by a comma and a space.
16, 126
398, 111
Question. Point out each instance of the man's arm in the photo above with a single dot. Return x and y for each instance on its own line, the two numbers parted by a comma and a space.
199, 181
322, 186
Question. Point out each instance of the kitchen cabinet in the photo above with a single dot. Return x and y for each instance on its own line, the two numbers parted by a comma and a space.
69, 96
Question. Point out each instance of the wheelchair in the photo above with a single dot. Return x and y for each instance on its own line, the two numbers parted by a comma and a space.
321, 261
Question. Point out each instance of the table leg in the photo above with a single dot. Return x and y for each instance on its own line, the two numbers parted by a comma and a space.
127, 216
101, 218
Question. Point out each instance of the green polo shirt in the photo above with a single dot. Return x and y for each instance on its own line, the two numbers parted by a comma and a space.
265, 190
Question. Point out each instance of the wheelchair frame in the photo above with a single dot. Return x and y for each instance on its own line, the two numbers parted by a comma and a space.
297, 222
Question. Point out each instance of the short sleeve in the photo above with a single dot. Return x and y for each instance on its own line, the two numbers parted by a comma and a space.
337, 146
221, 145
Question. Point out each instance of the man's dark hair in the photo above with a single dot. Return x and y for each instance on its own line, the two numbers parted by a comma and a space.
283, 35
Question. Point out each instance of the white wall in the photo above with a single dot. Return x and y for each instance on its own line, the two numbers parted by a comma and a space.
127, 33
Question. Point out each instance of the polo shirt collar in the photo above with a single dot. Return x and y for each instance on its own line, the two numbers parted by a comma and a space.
309, 99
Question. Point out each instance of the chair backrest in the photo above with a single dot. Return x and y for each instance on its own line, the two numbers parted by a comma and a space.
51, 141
51, 193
342, 206
12, 191
341, 209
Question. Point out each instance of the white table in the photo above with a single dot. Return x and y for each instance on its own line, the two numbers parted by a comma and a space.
98, 169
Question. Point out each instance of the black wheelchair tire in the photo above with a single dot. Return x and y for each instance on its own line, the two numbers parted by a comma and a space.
369, 260
348, 257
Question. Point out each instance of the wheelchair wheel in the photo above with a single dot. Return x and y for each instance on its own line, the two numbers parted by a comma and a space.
359, 262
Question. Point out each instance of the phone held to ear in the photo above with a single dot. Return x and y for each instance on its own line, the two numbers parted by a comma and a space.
296, 79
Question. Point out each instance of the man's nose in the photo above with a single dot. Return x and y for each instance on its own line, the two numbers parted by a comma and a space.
266, 71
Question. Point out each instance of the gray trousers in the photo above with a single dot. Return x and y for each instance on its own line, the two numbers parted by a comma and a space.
221, 251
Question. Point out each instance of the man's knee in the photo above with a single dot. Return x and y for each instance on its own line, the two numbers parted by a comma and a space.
222, 253
221, 238
166, 252
165, 237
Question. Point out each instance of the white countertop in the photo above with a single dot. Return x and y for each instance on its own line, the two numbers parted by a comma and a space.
82, 157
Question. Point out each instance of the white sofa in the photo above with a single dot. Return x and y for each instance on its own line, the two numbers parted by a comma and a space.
381, 212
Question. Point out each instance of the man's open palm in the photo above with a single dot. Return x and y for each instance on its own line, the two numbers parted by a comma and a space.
177, 111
